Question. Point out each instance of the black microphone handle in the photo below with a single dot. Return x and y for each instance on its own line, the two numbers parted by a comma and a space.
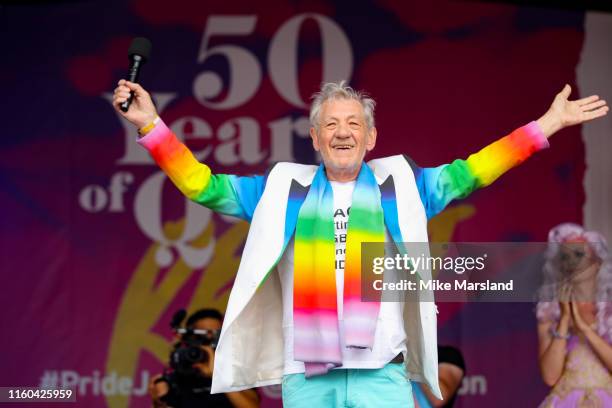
132, 76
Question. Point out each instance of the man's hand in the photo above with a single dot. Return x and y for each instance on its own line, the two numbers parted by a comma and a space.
157, 390
207, 367
563, 112
141, 111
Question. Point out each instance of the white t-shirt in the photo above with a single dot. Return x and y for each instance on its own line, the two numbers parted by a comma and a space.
389, 337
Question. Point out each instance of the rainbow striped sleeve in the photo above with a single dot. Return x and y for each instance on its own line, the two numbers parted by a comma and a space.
227, 194
438, 186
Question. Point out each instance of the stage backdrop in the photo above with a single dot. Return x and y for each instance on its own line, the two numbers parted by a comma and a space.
98, 249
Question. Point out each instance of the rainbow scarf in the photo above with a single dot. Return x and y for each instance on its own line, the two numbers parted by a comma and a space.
315, 312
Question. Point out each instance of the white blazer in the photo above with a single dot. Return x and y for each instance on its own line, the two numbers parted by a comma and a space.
250, 350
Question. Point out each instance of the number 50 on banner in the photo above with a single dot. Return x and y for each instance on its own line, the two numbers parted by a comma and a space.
245, 72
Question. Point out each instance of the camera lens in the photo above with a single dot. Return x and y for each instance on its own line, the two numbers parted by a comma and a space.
194, 354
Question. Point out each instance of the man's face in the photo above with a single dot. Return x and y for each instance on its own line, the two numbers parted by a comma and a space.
343, 138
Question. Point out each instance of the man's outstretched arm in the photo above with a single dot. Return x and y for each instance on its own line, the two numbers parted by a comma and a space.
227, 194
438, 186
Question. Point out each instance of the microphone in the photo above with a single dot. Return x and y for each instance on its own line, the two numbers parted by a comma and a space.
177, 318
138, 53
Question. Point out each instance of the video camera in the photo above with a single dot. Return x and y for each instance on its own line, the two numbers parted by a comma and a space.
188, 351
182, 377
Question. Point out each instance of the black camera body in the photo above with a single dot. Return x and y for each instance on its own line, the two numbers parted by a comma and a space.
188, 350
183, 379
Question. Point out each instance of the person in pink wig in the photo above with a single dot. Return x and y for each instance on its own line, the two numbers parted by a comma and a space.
575, 319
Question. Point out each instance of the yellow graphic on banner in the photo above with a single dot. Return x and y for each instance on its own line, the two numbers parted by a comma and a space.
144, 301
442, 227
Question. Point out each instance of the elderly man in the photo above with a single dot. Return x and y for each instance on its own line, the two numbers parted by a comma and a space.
305, 324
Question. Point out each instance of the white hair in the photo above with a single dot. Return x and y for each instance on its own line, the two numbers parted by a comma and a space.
339, 90
548, 308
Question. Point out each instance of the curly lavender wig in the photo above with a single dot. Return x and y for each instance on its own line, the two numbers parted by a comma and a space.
547, 310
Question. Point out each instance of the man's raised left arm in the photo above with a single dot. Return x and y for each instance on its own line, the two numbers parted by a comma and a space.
438, 186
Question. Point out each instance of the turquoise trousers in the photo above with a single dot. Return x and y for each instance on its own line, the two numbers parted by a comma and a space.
385, 387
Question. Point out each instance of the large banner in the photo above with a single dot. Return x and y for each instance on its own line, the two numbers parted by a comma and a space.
98, 249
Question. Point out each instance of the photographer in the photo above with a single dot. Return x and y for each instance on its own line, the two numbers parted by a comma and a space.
187, 383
